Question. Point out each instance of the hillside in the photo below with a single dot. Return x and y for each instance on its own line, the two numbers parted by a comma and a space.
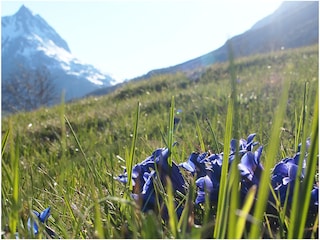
68, 156
110, 116
294, 24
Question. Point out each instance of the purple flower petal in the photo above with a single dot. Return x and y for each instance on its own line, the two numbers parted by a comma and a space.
189, 166
251, 137
244, 172
204, 185
44, 215
315, 197
257, 155
248, 161
233, 145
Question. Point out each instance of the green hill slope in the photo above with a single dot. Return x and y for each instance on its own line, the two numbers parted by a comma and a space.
56, 162
110, 116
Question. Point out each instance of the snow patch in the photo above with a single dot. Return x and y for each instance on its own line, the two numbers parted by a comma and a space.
96, 79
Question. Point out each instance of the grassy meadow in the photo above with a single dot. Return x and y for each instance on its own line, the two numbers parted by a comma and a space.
68, 156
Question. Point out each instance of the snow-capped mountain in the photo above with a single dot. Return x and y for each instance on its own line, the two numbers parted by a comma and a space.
28, 42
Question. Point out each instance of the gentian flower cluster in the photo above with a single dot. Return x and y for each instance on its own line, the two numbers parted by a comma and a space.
205, 169
150, 172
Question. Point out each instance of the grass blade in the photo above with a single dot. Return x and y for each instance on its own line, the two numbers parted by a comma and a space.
223, 200
315, 227
4, 142
234, 178
173, 221
76, 225
233, 190
98, 225
214, 136
201, 142
240, 226
303, 199
170, 131
14, 158
130, 160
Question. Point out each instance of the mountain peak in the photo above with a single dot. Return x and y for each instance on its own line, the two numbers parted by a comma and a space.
24, 12
26, 24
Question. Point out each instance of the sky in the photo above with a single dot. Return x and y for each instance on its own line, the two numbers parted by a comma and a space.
127, 39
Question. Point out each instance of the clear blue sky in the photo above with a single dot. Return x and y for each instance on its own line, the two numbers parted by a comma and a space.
130, 38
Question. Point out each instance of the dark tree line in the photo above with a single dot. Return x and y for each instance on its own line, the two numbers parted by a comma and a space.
27, 90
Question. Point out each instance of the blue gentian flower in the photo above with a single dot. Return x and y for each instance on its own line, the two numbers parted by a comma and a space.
282, 179
250, 171
209, 184
214, 167
42, 217
282, 169
138, 170
284, 174
204, 185
287, 186
244, 146
173, 172
149, 201
147, 198
295, 160
279, 172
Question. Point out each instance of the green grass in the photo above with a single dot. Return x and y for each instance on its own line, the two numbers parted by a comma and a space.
67, 156
271, 155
